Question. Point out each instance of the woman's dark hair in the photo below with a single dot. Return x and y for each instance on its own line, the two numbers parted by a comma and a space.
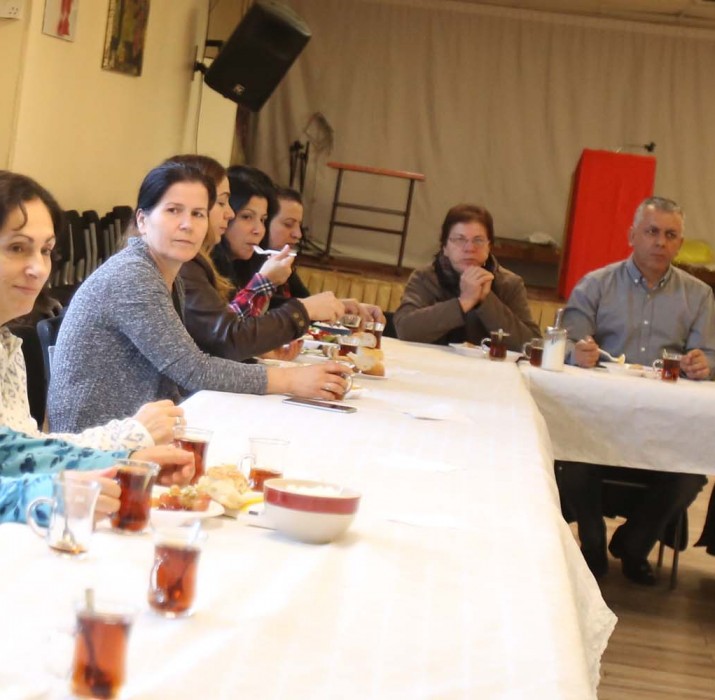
285, 194
464, 213
206, 164
170, 172
16, 190
246, 182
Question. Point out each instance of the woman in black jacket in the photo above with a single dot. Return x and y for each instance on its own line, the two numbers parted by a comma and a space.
231, 324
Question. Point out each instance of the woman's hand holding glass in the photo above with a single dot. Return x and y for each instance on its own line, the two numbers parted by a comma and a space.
326, 380
159, 418
108, 502
175, 466
367, 312
323, 307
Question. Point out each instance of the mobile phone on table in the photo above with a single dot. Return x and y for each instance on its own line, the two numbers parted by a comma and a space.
318, 403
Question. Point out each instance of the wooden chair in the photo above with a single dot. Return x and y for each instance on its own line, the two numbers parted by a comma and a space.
402, 213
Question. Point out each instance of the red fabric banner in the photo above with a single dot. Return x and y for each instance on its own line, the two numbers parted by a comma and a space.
607, 188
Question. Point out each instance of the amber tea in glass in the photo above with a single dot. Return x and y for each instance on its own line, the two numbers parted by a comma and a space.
196, 441
100, 652
172, 585
136, 480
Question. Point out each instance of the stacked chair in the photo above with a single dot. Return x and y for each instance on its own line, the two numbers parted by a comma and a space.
84, 243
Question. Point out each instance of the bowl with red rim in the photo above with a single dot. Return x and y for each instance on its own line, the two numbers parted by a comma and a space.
309, 511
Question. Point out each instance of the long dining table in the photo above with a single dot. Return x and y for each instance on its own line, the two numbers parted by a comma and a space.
458, 579
626, 417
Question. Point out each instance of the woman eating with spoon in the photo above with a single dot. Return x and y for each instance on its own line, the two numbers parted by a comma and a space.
238, 256
237, 326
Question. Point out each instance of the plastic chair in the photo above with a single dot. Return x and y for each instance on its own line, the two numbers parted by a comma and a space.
36, 377
619, 498
47, 331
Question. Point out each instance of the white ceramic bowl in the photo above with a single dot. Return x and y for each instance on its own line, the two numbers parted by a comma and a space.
309, 511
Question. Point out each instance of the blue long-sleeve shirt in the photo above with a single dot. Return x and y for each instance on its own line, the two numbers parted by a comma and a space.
27, 465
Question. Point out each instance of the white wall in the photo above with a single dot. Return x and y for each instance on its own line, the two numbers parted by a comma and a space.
90, 135
12, 37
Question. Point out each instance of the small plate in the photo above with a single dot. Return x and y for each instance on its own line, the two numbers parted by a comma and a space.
316, 345
467, 349
362, 375
355, 393
270, 362
470, 350
178, 517
336, 329
625, 368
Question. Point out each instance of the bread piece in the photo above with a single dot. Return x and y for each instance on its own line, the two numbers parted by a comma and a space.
369, 361
377, 370
225, 484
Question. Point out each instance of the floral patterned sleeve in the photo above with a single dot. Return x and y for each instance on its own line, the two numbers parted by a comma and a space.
127, 434
253, 299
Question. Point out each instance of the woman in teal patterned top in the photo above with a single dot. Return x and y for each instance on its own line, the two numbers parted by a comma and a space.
27, 465
28, 219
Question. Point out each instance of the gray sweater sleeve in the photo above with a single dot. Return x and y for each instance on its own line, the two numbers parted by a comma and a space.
143, 310
123, 344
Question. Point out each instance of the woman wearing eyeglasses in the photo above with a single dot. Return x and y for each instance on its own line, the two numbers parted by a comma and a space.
465, 294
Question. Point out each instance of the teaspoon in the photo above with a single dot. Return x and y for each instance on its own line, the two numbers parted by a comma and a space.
621, 359
261, 251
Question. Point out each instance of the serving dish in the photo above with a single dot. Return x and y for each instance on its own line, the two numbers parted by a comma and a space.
309, 511
179, 517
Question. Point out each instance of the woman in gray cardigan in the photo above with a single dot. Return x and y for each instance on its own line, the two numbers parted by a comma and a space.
465, 294
123, 342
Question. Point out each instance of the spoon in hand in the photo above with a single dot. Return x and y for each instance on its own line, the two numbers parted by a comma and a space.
261, 251
621, 359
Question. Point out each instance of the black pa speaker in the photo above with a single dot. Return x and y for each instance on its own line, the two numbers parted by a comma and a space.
258, 54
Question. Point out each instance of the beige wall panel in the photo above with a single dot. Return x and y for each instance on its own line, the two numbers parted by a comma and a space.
90, 135
12, 38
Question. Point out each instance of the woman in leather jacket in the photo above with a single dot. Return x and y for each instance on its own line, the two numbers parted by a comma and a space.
235, 325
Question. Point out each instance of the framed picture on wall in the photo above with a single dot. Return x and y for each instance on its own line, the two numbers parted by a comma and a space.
60, 19
124, 38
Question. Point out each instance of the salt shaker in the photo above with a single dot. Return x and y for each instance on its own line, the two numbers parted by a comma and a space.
554, 349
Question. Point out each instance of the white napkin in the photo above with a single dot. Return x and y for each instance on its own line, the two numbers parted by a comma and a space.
435, 411
400, 460
442, 520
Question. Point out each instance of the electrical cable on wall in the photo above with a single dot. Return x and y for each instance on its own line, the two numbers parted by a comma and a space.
320, 137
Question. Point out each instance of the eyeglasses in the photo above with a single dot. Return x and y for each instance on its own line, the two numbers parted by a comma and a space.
463, 242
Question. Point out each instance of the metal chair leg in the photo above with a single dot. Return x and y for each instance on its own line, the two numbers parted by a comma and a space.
676, 551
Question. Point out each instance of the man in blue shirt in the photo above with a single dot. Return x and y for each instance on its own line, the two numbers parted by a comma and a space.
640, 307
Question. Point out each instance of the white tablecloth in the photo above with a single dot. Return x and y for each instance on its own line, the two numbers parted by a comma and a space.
458, 579
627, 421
